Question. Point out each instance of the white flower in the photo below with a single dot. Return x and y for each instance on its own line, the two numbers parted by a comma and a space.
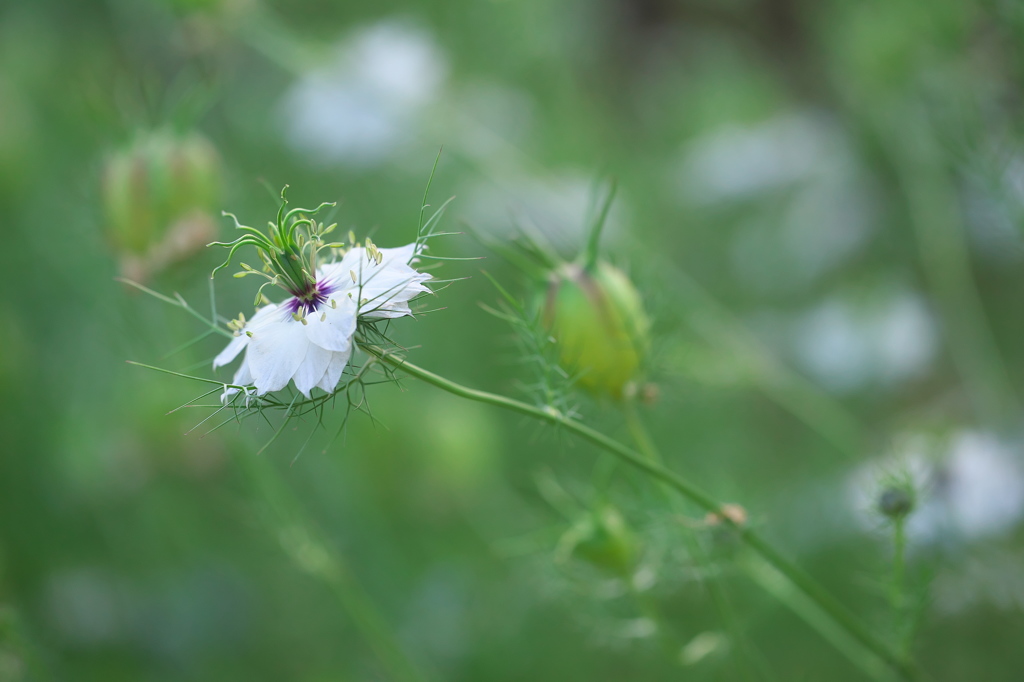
368, 101
970, 486
383, 288
308, 340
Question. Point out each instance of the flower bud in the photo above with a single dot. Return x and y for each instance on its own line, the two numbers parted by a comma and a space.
602, 539
598, 321
896, 502
158, 195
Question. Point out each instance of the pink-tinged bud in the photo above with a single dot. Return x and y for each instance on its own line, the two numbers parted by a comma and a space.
159, 195
598, 321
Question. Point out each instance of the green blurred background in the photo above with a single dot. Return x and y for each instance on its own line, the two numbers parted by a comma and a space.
822, 204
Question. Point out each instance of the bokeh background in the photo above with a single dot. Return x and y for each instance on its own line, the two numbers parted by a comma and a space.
822, 204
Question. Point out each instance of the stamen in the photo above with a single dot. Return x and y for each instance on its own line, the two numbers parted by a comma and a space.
238, 324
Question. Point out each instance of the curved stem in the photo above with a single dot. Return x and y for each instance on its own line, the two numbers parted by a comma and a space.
713, 583
306, 548
825, 601
638, 432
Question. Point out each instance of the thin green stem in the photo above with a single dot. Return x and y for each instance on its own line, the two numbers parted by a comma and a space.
646, 607
825, 601
303, 545
936, 219
716, 590
710, 319
899, 595
774, 583
589, 255
899, 547
638, 431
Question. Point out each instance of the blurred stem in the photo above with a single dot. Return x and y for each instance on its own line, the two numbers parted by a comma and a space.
899, 547
935, 217
647, 608
777, 585
304, 547
265, 33
638, 431
721, 328
645, 444
594, 238
825, 601
17, 646
899, 595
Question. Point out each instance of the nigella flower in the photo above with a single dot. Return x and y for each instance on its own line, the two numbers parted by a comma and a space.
311, 349
383, 280
307, 339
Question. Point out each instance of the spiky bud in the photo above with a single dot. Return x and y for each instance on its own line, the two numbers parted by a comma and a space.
158, 195
896, 502
603, 539
598, 321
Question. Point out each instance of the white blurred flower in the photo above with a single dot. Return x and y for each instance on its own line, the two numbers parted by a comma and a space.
741, 161
361, 107
846, 344
979, 488
556, 205
970, 486
802, 169
309, 341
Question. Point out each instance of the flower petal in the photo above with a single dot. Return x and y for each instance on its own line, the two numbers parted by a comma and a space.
386, 287
312, 369
394, 282
243, 377
329, 381
338, 275
236, 345
331, 326
231, 351
391, 291
276, 350
399, 255
390, 311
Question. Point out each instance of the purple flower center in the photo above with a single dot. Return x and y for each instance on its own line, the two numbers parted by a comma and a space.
310, 301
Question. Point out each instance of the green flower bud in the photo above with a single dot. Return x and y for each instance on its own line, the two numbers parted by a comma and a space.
158, 196
602, 539
896, 502
598, 321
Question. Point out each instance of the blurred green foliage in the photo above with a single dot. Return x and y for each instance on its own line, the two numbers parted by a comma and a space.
821, 203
